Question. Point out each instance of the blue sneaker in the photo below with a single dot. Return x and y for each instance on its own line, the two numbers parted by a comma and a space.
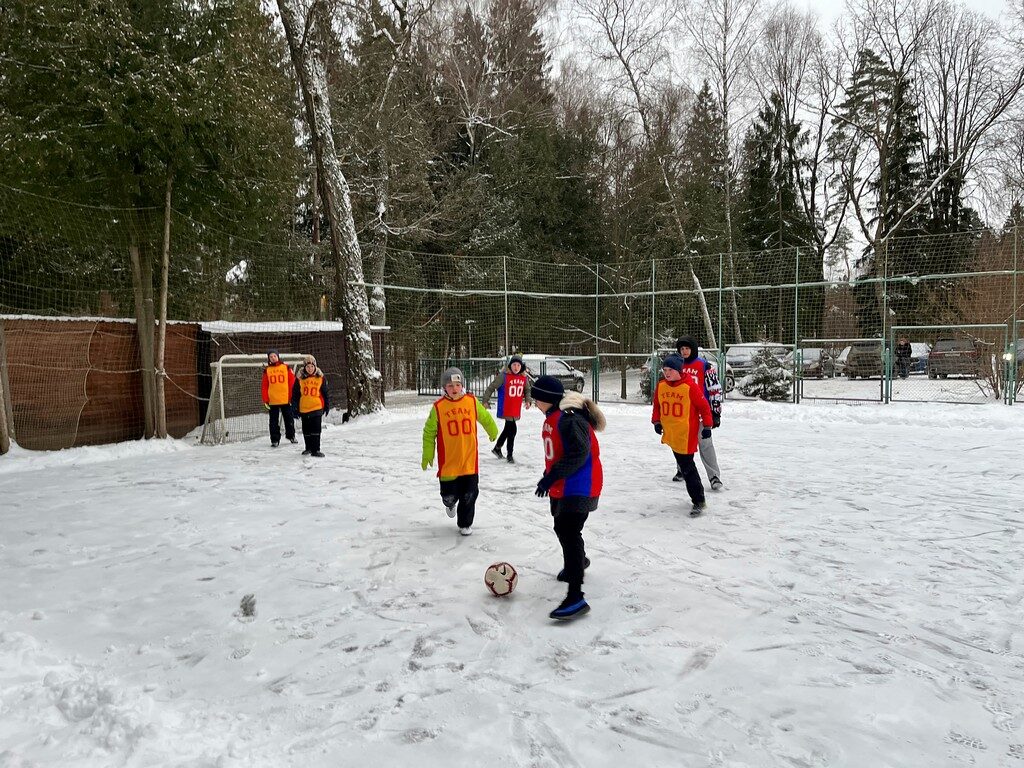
570, 608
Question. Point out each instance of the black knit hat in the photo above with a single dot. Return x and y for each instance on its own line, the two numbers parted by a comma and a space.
687, 341
273, 352
548, 389
516, 359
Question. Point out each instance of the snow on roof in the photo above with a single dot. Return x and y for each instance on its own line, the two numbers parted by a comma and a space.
292, 326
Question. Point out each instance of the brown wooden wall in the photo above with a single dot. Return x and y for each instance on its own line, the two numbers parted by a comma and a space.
77, 382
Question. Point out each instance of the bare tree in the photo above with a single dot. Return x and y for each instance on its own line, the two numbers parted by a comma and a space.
724, 32
362, 377
635, 37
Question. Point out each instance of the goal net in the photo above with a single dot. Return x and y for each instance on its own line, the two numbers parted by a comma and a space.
236, 411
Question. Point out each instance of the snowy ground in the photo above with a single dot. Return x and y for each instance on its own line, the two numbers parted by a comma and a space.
853, 598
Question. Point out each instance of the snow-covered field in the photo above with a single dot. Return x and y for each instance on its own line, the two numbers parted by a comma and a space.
853, 598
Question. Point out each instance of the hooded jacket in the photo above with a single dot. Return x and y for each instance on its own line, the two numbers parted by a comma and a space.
702, 373
576, 469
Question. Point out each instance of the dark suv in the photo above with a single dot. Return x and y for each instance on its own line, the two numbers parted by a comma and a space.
954, 357
864, 359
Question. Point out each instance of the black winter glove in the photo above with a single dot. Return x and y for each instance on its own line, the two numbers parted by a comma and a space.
543, 487
706, 432
716, 420
658, 428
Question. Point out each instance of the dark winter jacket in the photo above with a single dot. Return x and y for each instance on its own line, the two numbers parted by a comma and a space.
904, 351
703, 374
297, 390
579, 415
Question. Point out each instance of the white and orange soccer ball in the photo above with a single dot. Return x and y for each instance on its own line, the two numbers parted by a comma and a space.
501, 579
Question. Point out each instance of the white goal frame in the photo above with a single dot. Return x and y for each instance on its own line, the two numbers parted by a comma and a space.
215, 410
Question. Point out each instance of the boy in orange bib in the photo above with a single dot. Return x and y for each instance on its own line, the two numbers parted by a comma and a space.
679, 409
451, 427
276, 390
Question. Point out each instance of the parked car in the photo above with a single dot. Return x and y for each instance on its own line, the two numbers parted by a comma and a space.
955, 357
864, 359
728, 383
816, 363
740, 357
540, 365
919, 352
840, 360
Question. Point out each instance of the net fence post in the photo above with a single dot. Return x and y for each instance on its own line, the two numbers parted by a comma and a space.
6, 411
504, 269
654, 343
1015, 336
797, 362
597, 332
885, 321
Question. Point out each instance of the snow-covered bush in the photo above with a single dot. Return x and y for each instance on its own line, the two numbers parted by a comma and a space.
769, 379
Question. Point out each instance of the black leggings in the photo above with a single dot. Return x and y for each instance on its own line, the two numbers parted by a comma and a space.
688, 469
466, 489
508, 434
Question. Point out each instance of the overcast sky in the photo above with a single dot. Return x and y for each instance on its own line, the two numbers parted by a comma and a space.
830, 9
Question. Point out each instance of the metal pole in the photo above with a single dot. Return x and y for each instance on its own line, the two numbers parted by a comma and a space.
1014, 361
797, 362
504, 268
721, 340
654, 343
597, 333
597, 310
223, 416
885, 317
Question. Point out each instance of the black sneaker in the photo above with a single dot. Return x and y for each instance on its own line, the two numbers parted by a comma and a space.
716, 484
292, 440
571, 607
561, 573
678, 477
317, 454
497, 452
697, 508
509, 459
275, 443
306, 452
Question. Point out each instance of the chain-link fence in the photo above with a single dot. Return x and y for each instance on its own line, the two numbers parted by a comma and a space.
834, 318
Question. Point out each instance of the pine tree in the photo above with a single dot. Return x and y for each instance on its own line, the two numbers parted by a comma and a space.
769, 379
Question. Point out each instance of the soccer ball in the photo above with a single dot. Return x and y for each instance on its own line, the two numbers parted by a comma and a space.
501, 579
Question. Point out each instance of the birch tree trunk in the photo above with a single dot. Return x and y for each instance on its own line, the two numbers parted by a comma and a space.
378, 249
362, 377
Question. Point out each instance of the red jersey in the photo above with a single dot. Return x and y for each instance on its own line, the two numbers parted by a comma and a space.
585, 481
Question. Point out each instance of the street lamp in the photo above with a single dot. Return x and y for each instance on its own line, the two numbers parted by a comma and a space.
469, 327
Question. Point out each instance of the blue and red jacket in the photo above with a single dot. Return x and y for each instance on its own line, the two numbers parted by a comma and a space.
572, 456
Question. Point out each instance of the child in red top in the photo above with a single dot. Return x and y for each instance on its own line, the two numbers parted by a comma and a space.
278, 381
679, 409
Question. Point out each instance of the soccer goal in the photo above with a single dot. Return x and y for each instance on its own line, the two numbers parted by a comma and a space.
236, 411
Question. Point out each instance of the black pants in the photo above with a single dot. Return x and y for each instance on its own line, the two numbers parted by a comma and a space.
508, 434
465, 489
694, 486
311, 424
275, 423
902, 367
571, 515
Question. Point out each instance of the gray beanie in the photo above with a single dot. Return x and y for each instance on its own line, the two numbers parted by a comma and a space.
452, 375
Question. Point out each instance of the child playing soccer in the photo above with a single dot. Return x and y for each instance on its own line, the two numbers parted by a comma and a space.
312, 402
678, 404
703, 374
452, 427
513, 392
278, 381
572, 479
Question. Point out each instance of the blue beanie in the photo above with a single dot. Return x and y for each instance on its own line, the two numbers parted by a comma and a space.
675, 362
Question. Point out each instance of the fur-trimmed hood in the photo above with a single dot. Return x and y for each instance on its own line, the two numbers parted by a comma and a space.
304, 375
580, 403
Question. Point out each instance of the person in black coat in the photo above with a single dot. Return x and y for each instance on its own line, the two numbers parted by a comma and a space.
903, 354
